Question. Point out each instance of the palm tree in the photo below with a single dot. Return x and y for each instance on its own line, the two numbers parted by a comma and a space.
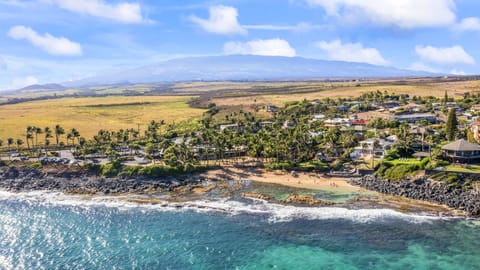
48, 133
59, 131
74, 134
29, 135
36, 131
10, 142
19, 143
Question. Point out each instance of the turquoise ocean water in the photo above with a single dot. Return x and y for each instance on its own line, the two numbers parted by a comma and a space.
52, 231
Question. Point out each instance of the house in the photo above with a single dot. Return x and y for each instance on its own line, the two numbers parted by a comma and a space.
414, 117
264, 124
413, 107
390, 104
271, 108
231, 127
289, 124
360, 122
338, 122
475, 127
378, 147
342, 108
314, 134
462, 150
317, 117
475, 108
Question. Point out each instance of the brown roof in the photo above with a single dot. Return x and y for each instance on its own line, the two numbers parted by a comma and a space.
461, 145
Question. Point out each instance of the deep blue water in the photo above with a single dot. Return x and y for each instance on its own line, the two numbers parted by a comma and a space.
43, 233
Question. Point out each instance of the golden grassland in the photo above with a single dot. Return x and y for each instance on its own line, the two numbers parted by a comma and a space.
90, 114
344, 90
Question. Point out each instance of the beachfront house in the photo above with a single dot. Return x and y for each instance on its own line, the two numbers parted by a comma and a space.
366, 148
462, 151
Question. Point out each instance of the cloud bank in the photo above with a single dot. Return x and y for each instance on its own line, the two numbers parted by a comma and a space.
351, 52
451, 55
122, 12
399, 13
50, 44
222, 20
265, 47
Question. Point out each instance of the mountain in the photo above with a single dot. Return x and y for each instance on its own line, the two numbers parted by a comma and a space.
245, 67
44, 87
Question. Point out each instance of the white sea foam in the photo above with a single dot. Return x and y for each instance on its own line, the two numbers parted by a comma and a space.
274, 212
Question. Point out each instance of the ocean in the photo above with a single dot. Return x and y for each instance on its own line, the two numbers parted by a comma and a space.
40, 230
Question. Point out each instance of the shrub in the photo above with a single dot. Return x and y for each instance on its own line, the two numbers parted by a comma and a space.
36, 165
423, 163
92, 168
111, 169
280, 165
396, 172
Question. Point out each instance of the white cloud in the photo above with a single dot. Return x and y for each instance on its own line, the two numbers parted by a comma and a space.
301, 27
469, 24
400, 13
50, 44
122, 12
351, 52
222, 20
458, 72
266, 47
24, 81
419, 66
451, 55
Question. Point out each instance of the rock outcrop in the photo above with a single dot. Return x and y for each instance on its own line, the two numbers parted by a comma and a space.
458, 196
25, 179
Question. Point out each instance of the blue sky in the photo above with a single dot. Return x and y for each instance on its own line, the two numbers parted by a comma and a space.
44, 41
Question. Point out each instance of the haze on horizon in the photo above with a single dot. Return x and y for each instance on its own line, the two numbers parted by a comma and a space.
45, 41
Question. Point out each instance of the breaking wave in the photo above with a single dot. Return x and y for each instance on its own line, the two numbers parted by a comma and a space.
274, 212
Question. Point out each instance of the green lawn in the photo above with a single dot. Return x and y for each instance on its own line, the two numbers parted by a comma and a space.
408, 161
466, 169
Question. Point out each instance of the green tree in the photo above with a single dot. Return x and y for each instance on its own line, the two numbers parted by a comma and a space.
10, 142
19, 143
451, 127
59, 131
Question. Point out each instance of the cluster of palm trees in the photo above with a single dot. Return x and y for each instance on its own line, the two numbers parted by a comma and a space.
37, 137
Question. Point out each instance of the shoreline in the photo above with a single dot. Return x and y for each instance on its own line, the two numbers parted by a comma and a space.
191, 186
302, 180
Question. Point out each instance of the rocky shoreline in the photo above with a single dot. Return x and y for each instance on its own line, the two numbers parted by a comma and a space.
79, 182
423, 188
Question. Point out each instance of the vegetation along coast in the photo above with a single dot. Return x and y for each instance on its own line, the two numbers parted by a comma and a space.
421, 147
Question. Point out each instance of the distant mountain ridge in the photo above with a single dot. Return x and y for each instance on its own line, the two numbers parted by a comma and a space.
245, 68
44, 87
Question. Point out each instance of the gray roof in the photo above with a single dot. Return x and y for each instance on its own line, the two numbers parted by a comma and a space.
461, 145
415, 115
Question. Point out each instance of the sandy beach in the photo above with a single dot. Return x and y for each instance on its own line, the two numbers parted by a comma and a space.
301, 180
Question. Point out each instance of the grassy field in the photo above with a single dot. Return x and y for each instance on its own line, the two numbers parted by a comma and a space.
455, 89
88, 115
160, 101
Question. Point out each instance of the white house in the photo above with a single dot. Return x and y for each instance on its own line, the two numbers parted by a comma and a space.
366, 148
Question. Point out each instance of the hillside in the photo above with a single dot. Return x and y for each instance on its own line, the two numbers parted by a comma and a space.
245, 68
